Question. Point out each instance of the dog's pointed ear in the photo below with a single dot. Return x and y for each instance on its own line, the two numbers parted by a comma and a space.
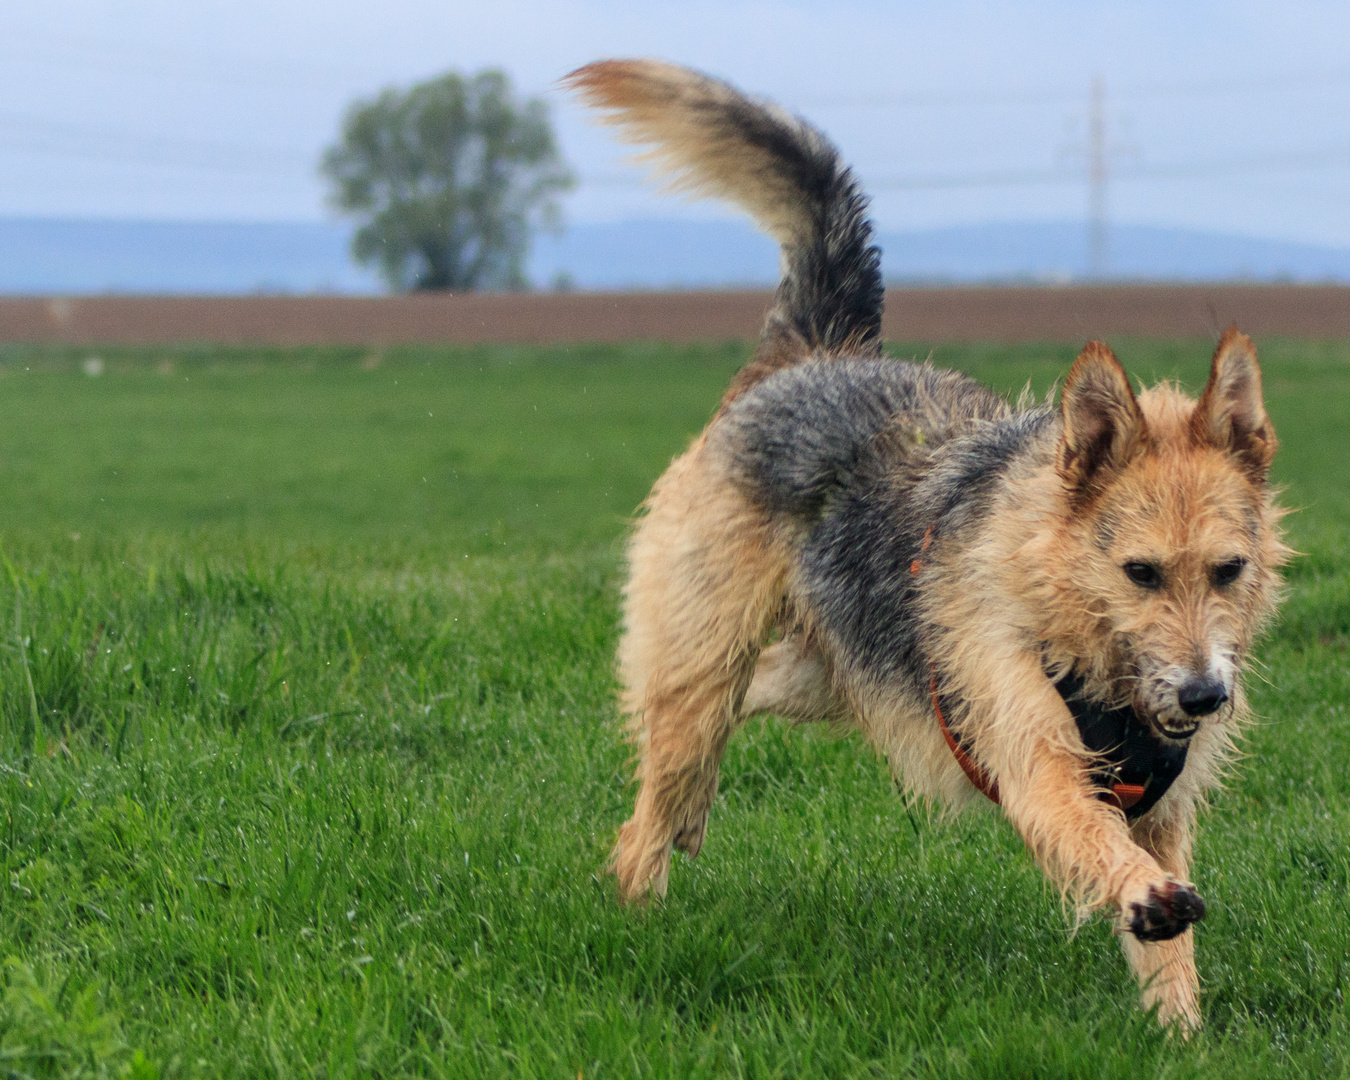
1231, 413
1103, 425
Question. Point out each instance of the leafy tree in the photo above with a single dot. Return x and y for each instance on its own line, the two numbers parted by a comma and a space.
449, 177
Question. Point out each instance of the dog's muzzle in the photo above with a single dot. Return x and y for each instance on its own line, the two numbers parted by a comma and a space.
1198, 697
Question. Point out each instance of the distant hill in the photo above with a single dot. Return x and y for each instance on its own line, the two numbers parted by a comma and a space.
1050, 251
39, 255
684, 254
46, 255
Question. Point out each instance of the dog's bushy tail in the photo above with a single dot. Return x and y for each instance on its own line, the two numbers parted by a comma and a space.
710, 139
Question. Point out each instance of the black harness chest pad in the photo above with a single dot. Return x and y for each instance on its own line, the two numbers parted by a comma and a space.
1128, 752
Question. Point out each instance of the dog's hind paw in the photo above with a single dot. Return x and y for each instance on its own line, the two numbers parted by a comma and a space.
1166, 913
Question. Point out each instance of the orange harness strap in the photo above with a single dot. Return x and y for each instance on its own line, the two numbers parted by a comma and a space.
1125, 795
984, 783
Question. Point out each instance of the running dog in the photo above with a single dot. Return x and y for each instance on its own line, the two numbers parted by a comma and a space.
1049, 607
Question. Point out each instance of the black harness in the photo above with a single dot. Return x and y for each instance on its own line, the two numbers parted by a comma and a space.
1135, 766
1132, 769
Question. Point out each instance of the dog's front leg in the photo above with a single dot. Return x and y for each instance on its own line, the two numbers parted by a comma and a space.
1166, 969
1026, 735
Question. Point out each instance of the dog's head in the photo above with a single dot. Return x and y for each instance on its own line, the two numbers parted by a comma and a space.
1170, 541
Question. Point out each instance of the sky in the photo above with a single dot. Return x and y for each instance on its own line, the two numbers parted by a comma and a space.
1232, 116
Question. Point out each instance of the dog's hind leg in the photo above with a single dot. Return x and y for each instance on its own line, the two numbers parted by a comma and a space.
706, 584
1166, 969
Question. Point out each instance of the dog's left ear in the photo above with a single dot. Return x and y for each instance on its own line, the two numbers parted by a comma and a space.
1231, 413
1103, 425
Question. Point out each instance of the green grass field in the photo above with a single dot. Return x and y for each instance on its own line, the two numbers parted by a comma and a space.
309, 761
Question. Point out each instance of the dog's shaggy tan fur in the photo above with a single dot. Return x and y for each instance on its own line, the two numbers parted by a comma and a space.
891, 528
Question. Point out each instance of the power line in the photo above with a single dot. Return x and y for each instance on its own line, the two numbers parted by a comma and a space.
1099, 158
28, 134
39, 136
1309, 160
1051, 95
71, 141
1299, 161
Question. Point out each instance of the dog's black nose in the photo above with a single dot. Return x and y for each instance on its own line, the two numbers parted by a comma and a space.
1201, 696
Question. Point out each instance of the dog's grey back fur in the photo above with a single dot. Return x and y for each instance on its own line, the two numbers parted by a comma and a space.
813, 429
870, 460
856, 564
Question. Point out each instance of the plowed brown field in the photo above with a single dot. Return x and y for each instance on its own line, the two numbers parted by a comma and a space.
962, 314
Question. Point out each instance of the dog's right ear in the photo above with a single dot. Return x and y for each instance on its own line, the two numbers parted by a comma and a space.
1103, 425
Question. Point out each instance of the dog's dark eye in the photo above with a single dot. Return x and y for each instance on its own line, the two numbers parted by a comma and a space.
1145, 575
1229, 572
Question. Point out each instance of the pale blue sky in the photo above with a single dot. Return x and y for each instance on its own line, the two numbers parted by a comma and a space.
219, 109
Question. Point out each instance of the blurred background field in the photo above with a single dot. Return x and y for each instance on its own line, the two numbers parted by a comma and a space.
311, 762
442, 451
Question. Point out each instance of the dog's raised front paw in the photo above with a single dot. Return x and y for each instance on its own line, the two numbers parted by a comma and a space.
1166, 913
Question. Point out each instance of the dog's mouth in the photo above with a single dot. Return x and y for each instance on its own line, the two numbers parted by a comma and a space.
1167, 723
1180, 730
1169, 714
